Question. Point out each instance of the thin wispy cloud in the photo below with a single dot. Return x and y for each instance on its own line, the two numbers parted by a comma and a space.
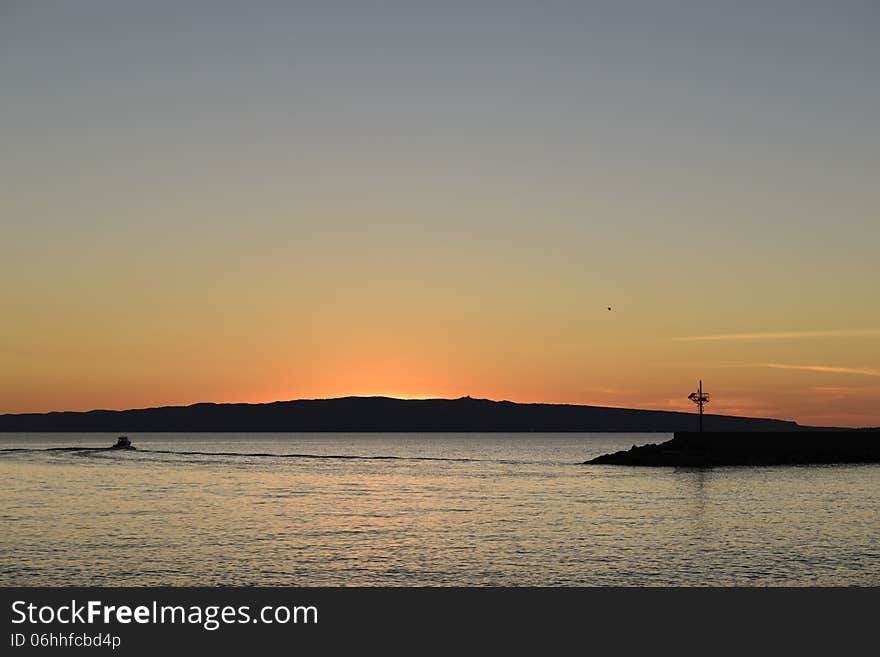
864, 371
782, 335
847, 390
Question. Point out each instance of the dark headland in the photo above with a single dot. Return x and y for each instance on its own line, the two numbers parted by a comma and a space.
714, 448
380, 414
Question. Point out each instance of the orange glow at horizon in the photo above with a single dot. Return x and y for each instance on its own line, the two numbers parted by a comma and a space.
524, 345
801, 396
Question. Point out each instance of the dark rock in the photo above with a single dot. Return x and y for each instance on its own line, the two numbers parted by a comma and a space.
710, 449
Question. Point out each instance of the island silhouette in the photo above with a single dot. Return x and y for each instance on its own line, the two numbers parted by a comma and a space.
386, 414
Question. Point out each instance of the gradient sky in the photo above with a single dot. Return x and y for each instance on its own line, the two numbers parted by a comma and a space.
254, 201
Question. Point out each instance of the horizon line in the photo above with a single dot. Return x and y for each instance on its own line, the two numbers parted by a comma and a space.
400, 399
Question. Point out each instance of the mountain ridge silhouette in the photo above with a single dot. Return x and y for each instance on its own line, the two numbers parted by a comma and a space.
384, 414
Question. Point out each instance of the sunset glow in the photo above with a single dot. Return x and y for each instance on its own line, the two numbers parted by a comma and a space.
276, 205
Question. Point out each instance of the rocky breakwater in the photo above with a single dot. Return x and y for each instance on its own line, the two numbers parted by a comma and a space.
710, 449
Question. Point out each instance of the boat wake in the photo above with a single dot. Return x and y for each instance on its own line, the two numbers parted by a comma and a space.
311, 456
85, 451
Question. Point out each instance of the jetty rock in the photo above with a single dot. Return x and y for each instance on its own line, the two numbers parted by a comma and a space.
709, 449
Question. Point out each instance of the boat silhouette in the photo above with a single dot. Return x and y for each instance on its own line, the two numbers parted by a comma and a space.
123, 443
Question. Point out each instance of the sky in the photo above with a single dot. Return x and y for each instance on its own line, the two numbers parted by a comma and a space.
224, 201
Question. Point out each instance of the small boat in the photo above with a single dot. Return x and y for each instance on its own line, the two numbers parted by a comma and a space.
123, 443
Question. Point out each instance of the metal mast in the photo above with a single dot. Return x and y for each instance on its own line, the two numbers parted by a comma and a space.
699, 398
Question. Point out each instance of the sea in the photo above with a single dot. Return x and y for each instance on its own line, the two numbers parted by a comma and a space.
461, 509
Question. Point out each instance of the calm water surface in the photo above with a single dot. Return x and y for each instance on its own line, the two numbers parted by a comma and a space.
420, 509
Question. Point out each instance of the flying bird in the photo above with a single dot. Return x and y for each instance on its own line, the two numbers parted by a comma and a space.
609, 307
